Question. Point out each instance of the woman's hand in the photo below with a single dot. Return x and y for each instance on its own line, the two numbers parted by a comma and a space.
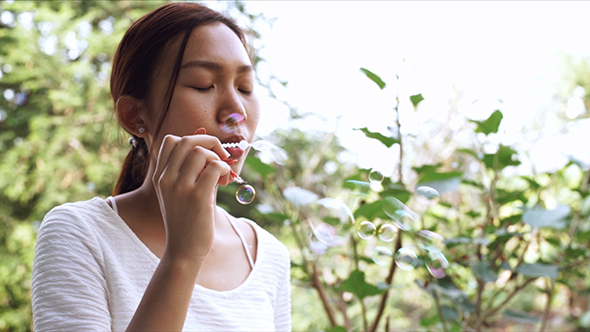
187, 173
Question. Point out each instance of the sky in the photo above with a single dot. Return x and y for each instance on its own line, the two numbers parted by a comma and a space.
501, 54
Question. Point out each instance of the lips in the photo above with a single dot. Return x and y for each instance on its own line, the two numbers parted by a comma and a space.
234, 151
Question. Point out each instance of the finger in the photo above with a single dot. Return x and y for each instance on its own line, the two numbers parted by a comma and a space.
166, 148
211, 175
186, 144
194, 164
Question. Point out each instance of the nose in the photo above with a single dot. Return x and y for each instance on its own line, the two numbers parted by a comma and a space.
232, 108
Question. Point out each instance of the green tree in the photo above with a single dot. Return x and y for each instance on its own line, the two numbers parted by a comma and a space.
59, 139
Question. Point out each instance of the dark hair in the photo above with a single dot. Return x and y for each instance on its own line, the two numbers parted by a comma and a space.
135, 62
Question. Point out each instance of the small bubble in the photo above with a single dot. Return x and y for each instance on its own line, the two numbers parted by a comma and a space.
245, 194
366, 230
323, 232
387, 232
437, 263
329, 208
382, 256
430, 240
406, 259
317, 247
232, 122
427, 192
376, 176
402, 220
401, 215
20, 99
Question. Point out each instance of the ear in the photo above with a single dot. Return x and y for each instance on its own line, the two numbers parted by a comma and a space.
132, 115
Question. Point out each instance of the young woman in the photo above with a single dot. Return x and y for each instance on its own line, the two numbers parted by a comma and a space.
160, 254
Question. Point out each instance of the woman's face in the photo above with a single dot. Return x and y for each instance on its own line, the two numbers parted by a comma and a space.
216, 80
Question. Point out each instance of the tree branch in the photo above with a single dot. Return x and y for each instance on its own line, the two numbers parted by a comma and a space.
388, 281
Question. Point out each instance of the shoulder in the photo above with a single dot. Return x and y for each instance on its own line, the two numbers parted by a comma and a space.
72, 218
266, 240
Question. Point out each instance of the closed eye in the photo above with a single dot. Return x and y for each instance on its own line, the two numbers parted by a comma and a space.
245, 91
203, 89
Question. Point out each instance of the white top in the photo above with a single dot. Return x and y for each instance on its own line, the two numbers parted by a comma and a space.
90, 272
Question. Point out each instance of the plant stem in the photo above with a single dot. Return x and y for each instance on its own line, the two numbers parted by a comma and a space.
491, 312
364, 314
550, 289
399, 133
317, 284
439, 310
388, 281
343, 306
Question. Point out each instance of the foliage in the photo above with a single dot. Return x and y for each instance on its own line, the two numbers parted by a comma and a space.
59, 140
507, 236
515, 243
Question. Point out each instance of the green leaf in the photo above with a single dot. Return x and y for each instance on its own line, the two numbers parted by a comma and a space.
505, 196
449, 313
490, 125
357, 285
453, 242
438, 176
442, 182
506, 157
416, 99
520, 317
373, 77
258, 166
426, 322
575, 253
336, 329
583, 236
539, 217
536, 270
387, 141
483, 271
371, 211
469, 152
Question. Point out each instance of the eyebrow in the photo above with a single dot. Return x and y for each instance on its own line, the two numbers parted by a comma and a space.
213, 66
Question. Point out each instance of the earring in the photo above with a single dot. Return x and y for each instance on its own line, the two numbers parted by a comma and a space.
133, 142
141, 130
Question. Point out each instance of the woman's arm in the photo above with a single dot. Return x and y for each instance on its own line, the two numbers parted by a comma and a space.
186, 177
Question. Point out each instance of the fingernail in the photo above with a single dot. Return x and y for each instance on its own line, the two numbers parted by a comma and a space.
200, 131
230, 161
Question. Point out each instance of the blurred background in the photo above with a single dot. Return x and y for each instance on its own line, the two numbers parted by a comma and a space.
486, 102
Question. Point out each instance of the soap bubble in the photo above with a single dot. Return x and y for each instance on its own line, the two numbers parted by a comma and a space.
270, 151
437, 263
330, 210
317, 247
382, 256
402, 216
326, 214
427, 192
323, 232
376, 176
366, 230
406, 259
426, 197
430, 240
245, 194
386, 232
20, 99
232, 122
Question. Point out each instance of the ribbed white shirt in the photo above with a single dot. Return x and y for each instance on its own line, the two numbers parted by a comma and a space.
90, 272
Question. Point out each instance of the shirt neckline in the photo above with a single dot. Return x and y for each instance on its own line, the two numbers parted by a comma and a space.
133, 237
